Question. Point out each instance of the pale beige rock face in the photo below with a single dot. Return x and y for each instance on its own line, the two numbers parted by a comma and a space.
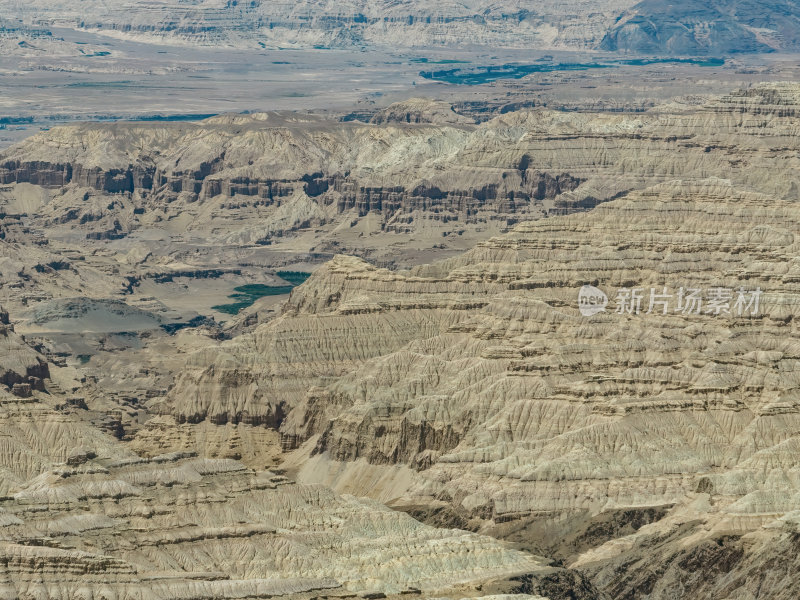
419, 110
515, 405
530, 397
311, 23
140, 199
255, 446
38, 430
471, 386
82, 516
382, 190
181, 527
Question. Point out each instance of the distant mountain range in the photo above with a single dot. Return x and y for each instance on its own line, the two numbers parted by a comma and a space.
683, 27
715, 27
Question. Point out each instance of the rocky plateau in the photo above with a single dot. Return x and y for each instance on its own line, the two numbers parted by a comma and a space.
649, 27
283, 355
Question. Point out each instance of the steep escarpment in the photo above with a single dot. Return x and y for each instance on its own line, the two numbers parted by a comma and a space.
419, 110
294, 171
83, 515
519, 408
612, 385
648, 27
233, 383
508, 197
536, 273
678, 28
22, 369
40, 422
716, 28
177, 526
313, 24
390, 191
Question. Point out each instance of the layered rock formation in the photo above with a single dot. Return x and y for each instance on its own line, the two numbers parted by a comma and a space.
419, 110
293, 171
516, 408
649, 27
23, 41
644, 440
716, 28
22, 369
83, 516
312, 23
40, 428
393, 192
181, 527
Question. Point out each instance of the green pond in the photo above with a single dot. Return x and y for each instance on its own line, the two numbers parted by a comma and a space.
245, 296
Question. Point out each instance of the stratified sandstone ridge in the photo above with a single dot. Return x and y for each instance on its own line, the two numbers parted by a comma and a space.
644, 451
257, 178
40, 426
511, 406
354, 23
82, 516
419, 110
394, 191
678, 28
177, 526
